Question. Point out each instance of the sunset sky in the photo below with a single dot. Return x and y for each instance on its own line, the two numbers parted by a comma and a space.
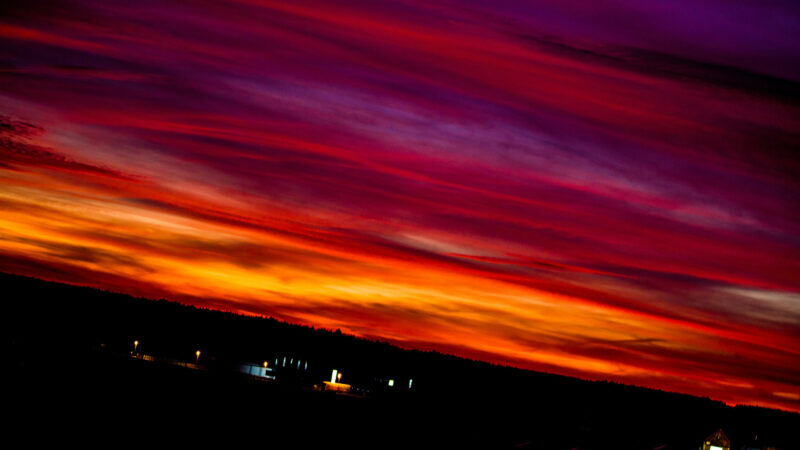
608, 190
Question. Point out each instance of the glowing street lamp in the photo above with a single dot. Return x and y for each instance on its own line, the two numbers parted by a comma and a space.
135, 344
197, 359
339, 376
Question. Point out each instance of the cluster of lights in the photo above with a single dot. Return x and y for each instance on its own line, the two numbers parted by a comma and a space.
196, 354
291, 362
336, 376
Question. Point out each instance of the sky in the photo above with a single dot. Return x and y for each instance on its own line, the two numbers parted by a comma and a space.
607, 190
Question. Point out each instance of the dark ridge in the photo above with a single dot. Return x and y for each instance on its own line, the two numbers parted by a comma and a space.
67, 348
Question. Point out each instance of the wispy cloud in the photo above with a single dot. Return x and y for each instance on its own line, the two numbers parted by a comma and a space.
520, 183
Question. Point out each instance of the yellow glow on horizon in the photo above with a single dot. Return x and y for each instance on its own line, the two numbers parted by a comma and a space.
404, 301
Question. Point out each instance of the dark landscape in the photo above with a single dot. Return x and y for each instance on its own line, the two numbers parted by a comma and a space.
413, 224
74, 375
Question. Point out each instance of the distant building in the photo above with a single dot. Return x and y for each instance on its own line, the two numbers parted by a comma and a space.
336, 387
717, 441
261, 371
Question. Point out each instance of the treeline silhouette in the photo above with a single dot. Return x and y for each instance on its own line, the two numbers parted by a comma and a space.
71, 345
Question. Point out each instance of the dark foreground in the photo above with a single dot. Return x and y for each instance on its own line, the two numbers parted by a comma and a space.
102, 399
71, 380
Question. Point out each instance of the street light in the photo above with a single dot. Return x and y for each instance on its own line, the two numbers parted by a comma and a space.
135, 344
197, 360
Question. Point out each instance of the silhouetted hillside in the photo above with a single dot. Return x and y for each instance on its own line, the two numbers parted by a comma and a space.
57, 337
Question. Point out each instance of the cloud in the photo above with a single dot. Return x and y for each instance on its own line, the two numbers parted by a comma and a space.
17, 151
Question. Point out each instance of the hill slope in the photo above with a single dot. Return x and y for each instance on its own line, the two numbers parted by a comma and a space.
70, 345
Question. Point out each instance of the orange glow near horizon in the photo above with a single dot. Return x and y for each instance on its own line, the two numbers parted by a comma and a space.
413, 304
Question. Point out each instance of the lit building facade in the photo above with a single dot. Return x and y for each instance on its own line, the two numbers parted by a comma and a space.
717, 441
